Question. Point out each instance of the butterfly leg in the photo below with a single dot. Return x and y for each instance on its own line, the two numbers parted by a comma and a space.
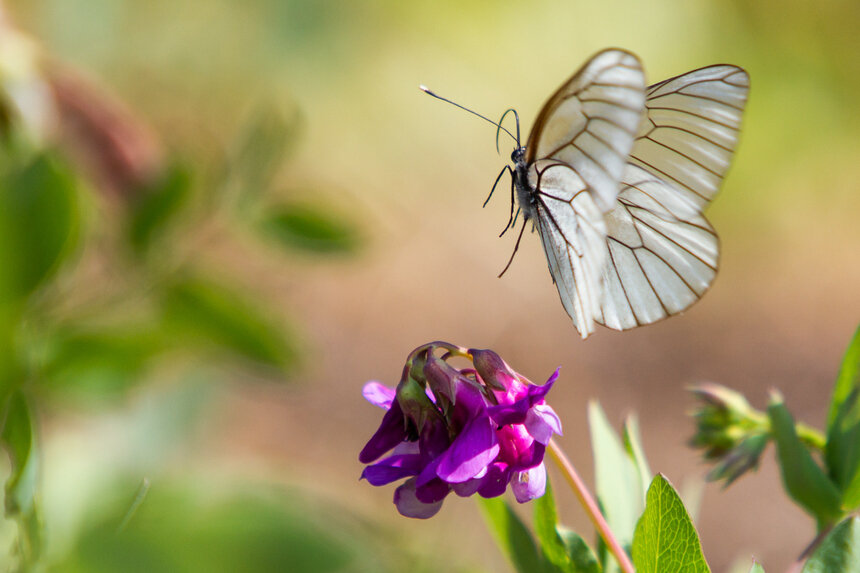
508, 169
516, 248
512, 219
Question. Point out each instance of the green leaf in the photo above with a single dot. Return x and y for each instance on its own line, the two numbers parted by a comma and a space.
511, 535
205, 312
848, 379
803, 478
633, 445
617, 477
756, 568
99, 362
308, 228
840, 550
580, 555
38, 224
268, 140
665, 539
545, 523
18, 439
157, 207
842, 450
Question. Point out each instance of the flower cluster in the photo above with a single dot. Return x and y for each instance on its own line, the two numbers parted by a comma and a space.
467, 430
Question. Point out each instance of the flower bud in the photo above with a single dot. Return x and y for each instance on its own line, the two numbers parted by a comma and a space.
730, 431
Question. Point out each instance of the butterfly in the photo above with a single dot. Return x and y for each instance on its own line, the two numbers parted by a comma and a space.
614, 176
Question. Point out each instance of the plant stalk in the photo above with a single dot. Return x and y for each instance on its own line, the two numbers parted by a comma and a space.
591, 508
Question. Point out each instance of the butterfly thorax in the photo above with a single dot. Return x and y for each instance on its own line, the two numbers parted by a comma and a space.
525, 192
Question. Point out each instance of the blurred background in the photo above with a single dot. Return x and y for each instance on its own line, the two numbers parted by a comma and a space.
249, 209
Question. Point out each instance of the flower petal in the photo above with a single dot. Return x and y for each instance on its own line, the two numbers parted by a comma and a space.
529, 485
392, 469
470, 452
494, 483
541, 422
432, 492
391, 432
378, 394
467, 488
409, 506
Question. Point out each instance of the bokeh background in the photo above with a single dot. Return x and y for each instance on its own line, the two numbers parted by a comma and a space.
323, 98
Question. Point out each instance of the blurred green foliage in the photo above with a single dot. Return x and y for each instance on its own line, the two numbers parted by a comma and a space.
157, 306
187, 527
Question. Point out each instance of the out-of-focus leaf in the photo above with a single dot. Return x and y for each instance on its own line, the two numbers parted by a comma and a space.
193, 529
99, 362
840, 550
511, 535
545, 523
206, 312
633, 445
756, 568
847, 380
842, 450
21, 486
157, 206
804, 480
665, 539
308, 228
38, 224
268, 140
616, 475
582, 559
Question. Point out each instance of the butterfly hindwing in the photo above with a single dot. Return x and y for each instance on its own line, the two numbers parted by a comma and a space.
573, 234
662, 252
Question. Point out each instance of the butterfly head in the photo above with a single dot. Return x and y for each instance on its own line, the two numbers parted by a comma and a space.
518, 155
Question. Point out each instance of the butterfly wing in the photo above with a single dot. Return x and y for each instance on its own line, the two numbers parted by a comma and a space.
576, 153
662, 252
590, 122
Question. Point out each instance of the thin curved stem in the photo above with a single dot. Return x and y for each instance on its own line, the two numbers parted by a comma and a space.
591, 508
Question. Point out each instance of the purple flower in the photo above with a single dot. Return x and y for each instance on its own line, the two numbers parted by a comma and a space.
468, 430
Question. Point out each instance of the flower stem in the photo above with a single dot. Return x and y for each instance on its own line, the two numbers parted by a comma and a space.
810, 436
591, 508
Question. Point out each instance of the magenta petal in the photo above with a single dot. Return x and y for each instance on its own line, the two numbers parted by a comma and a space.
541, 422
530, 457
391, 432
432, 492
494, 483
392, 469
378, 394
467, 488
409, 506
470, 453
529, 485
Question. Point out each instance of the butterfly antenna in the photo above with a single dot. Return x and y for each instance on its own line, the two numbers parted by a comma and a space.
427, 90
517, 116
516, 248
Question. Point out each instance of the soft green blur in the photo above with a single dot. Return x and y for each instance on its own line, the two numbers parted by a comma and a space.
319, 217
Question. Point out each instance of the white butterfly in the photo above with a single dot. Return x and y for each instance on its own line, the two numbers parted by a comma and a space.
615, 176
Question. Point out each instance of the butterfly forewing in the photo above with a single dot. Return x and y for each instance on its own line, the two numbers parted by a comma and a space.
590, 123
663, 254
576, 153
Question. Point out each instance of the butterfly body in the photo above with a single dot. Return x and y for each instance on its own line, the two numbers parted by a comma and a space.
526, 198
